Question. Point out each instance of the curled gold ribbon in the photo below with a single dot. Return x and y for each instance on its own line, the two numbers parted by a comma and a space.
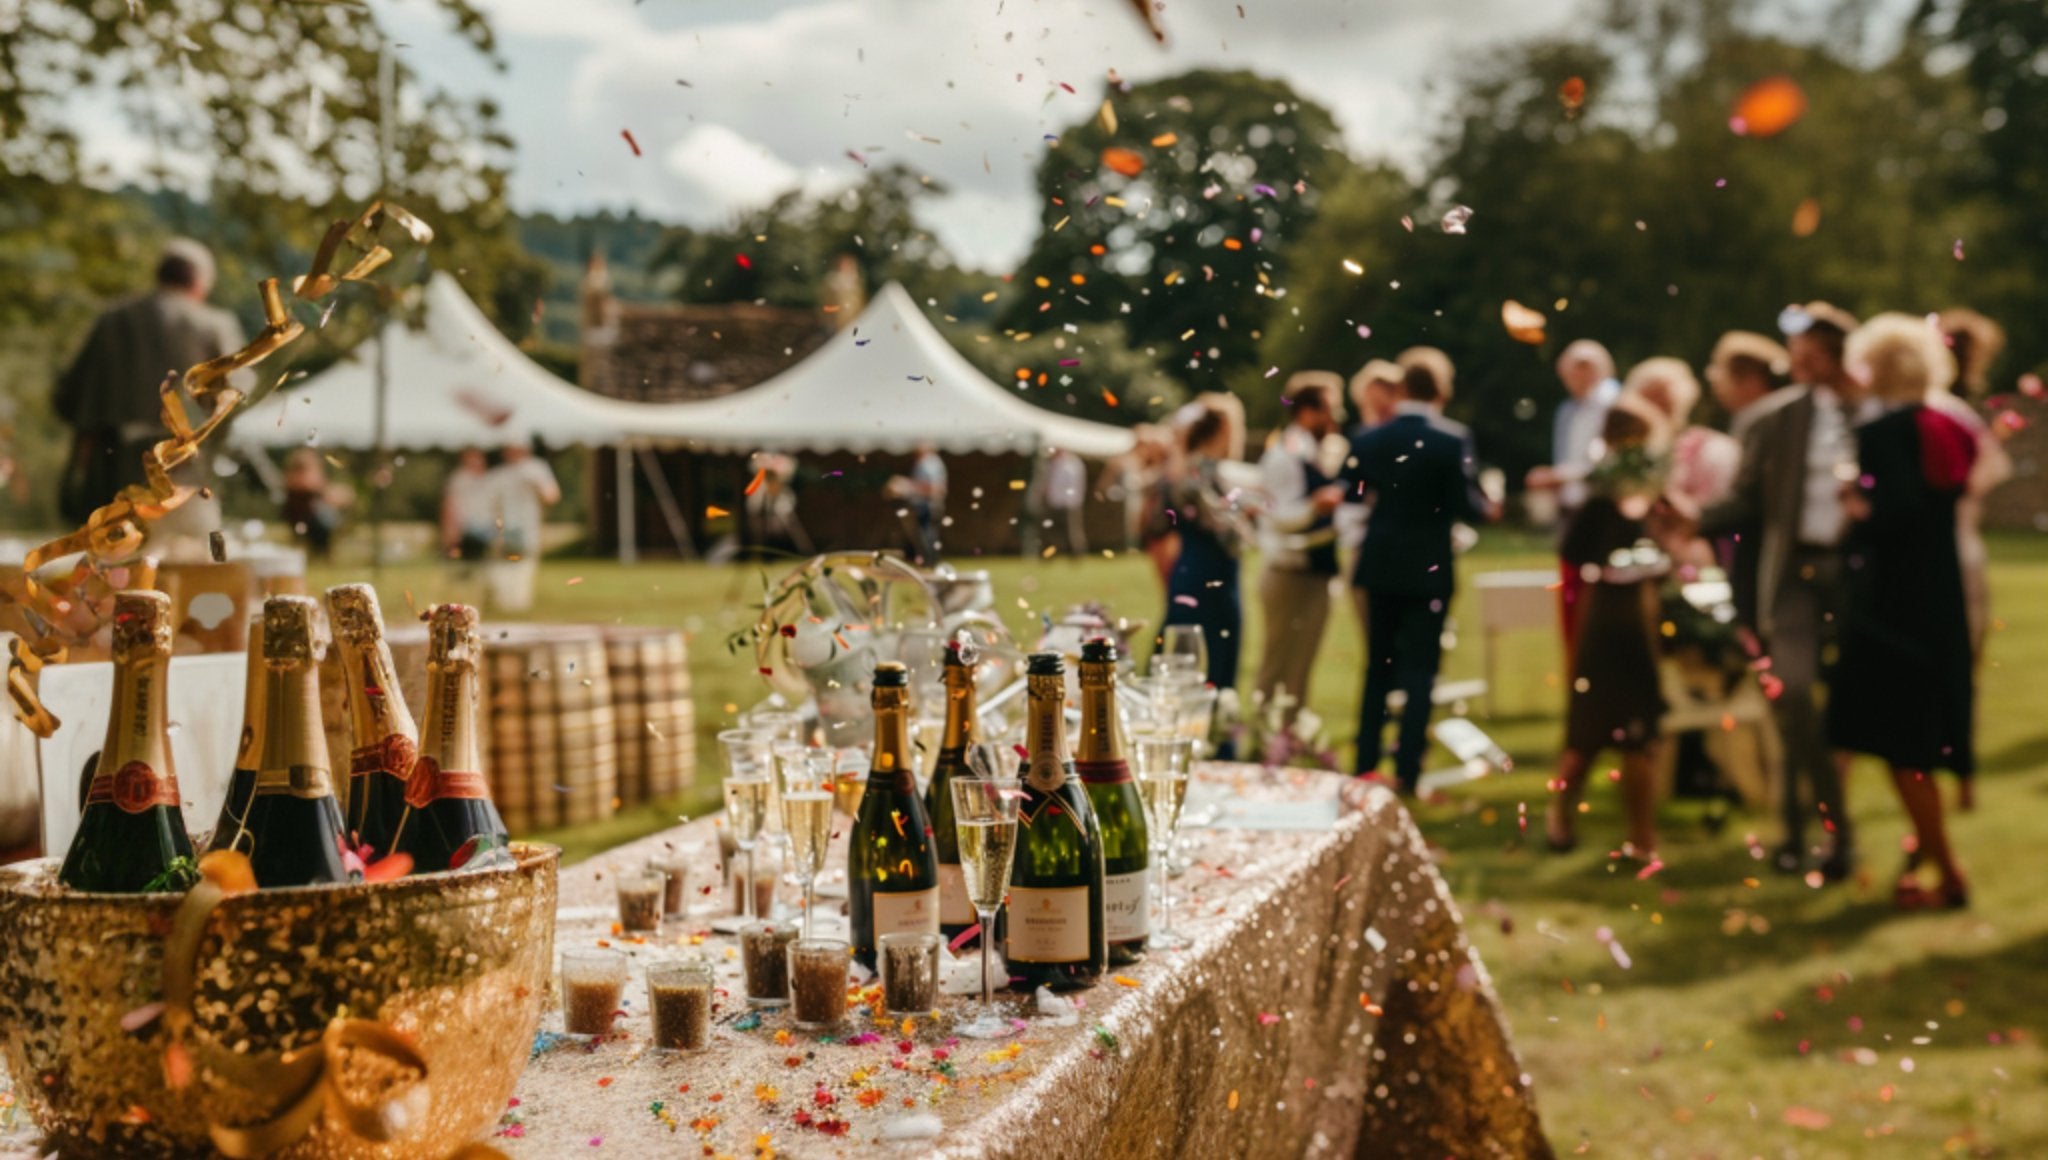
115, 532
300, 1086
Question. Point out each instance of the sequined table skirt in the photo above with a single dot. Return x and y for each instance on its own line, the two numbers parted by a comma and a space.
1329, 1006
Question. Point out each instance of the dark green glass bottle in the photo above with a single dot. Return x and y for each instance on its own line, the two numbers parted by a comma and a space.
451, 822
234, 809
1101, 760
892, 871
292, 833
384, 739
1056, 935
956, 913
131, 836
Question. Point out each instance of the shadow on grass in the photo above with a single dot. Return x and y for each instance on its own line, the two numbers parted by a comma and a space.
1993, 997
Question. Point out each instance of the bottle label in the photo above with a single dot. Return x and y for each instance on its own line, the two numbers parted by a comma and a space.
429, 783
1048, 924
1125, 917
300, 781
395, 755
134, 788
911, 912
954, 907
1103, 772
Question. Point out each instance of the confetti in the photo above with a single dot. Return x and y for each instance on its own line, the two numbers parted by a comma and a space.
754, 485
1523, 324
1123, 161
630, 143
1106, 117
1455, 219
1768, 108
1806, 218
1572, 95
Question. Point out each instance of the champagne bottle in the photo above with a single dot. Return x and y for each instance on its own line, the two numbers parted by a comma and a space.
1106, 772
450, 822
292, 832
1056, 936
385, 740
956, 913
131, 835
892, 873
229, 829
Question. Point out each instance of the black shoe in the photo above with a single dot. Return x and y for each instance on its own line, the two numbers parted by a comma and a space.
1789, 859
1838, 866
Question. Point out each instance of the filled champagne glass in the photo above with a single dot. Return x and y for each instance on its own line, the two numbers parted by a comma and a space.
985, 823
807, 816
749, 779
1161, 761
1182, 649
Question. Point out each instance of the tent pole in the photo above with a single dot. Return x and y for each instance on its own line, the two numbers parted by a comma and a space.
387, 84
629, 525
671, 511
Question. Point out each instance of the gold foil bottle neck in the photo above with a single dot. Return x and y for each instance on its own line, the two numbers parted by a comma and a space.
288, 632
142, 626
357, 620
452, 636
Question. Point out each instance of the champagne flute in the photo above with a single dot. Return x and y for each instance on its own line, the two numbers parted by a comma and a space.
985, 818
807, 816
1161, 764
1182, 649
749, 777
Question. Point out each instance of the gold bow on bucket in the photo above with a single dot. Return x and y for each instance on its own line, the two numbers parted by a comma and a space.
116, 531
363, 1076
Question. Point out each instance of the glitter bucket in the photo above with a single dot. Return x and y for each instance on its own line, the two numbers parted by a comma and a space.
455, 965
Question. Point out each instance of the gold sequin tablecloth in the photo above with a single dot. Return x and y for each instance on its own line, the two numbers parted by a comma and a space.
1330, 1006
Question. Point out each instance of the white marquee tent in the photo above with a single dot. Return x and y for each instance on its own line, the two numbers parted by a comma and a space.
885, 384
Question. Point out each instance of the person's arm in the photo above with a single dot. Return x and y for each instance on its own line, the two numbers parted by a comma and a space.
1741, 510
451, 525
544, 483
1477, 509
1354, 475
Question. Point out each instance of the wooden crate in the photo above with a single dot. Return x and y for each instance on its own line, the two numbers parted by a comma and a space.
650, 680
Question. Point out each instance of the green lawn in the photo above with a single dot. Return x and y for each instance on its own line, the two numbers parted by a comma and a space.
1755, 1017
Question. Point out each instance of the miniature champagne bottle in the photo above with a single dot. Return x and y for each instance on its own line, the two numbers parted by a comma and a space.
892, 871
385, 740
1101, 760
450, 822
1056, 934
293, 829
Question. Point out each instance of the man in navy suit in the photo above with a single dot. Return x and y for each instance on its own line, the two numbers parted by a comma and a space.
1418, 472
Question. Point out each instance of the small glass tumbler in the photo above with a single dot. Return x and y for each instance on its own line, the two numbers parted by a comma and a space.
593, 981
640, 899
764, 951
817, 982
910, 972
679, 995
675, 884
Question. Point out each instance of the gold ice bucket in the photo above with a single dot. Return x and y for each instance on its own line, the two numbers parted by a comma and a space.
458, 964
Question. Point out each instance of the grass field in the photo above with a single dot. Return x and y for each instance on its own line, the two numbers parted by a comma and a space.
1714, 1010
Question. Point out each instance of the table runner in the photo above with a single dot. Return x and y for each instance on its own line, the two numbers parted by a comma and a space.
1330, 1005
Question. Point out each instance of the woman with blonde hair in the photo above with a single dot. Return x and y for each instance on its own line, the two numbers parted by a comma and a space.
1202, 588
1902, 688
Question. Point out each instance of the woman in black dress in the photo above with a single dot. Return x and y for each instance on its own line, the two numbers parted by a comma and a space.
1902, 690
1615, 697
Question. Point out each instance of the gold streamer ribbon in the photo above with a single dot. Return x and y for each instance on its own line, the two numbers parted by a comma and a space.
115, 533
301, 1085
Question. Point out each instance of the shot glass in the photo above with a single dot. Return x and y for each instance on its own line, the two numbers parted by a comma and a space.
640, 899
679, 995
675, 884
910, 972
593, 981
817, 982
764, 952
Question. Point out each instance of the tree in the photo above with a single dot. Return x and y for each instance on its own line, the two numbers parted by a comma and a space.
781, 252
1171, 211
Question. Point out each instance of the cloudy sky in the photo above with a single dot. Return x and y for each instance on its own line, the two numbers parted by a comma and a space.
734, 101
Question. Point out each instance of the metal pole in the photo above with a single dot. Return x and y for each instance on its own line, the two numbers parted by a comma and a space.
629, 525
387, 85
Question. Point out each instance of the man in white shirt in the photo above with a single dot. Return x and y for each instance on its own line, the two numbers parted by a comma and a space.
524, 486
1796, 455
1057, 503
469, 508
1298, 538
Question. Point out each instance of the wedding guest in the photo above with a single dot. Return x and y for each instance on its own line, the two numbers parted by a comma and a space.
469, 510
1203, 585
1056, 502
1297, 538
1745, 374
772, 521
1374, 390
1587, 372
524, 487
1701, 462
1146, 477
1418, 471
1786, 499
1903, 689
928, 501
1615, 699
1975, 342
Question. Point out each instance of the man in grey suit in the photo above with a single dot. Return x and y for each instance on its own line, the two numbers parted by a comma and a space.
1797, 452
111, 395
